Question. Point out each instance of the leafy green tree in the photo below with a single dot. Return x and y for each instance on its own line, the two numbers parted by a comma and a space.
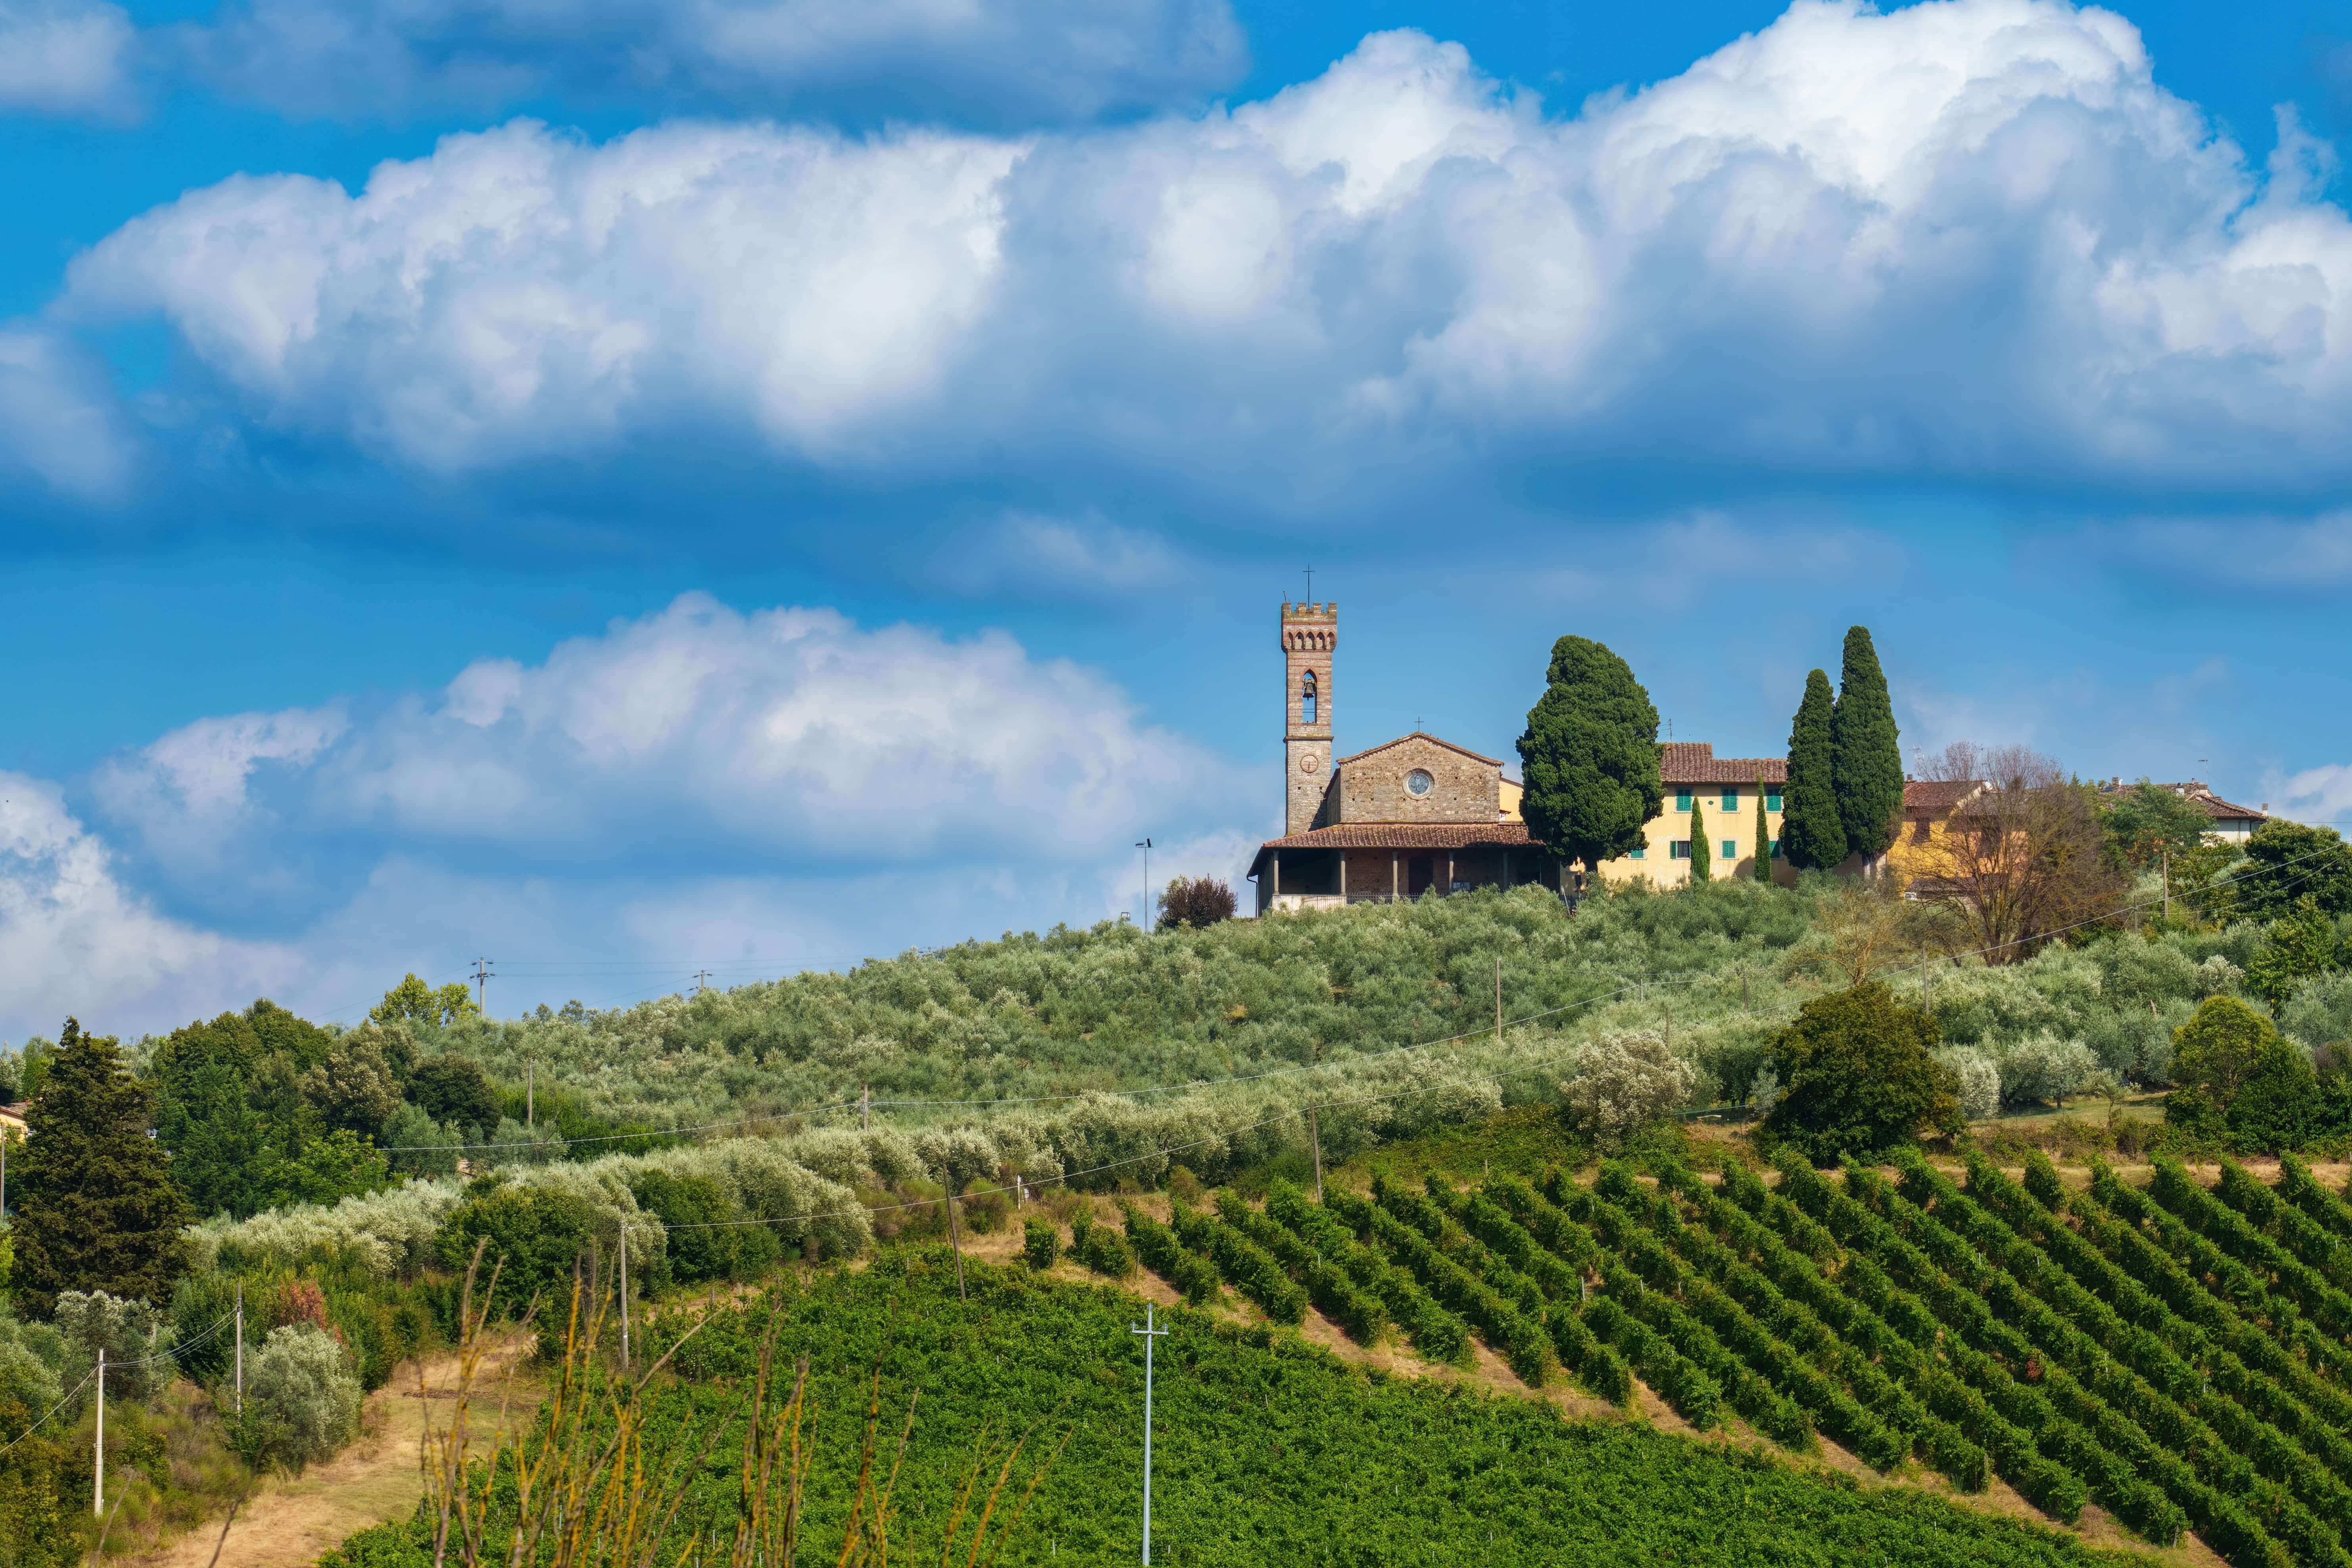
342, 1164
534, 1234
1702, 863
1857, 1077
358, 1085
2206, 878
1763, 837
2302, 946
92, 1194
1867, 766
413, 999
2286, 861
1590, 755
2238, 1074
2145, 824
221, 1147
1812, 831
454, 1090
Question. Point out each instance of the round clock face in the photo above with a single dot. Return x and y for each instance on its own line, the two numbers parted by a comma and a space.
1310, 760
1418, 782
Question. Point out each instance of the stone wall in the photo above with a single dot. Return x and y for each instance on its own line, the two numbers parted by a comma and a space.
1462, 787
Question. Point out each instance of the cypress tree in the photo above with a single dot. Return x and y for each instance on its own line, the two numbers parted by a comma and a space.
1763, 837
1702, 863
1868, 766
1813, 836
1590, 755
95, 1208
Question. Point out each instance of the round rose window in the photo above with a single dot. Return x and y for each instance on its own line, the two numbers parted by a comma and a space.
1418, 782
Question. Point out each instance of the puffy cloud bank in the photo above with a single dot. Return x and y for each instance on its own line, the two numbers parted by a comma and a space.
1970, 239
767, 790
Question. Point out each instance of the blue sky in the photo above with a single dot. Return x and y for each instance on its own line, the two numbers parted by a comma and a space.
629, 489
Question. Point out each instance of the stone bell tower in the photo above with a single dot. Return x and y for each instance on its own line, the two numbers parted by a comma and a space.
1309, 633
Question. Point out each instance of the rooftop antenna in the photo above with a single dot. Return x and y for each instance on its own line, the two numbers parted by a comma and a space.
1310, 584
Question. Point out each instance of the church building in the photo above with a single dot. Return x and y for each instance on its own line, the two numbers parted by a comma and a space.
1414, 815
1419, 815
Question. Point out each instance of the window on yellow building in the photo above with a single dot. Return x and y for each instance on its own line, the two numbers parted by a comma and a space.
1681, 800
1731, 800
1678, 850
1771, 800
1641, 852
1776, 849
1731, 848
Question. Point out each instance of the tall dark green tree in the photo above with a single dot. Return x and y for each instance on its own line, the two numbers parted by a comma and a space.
1702, 863
1763, 837
1812, 834
1868, 769
1589, 757
95, 1208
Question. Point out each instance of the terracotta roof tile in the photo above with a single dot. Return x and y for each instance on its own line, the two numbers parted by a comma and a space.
1934, 797
1694, 762
1408, 835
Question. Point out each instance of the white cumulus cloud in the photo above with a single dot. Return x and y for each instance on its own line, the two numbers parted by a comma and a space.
63, 56
58, 422
787, 737
1967, 238
79, 942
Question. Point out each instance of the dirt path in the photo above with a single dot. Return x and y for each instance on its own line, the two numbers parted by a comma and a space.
289, 1522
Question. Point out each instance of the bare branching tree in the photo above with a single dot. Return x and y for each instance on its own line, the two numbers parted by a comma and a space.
2020, 860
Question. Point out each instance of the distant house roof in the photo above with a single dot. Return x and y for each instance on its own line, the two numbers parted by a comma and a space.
1419, 735
1694, 762
2217, 808
1934, 797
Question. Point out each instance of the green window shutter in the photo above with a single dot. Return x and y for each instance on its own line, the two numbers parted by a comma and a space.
1772, 800
1731, 800
1731, 849
1776, 849
1681, 800
1641, 852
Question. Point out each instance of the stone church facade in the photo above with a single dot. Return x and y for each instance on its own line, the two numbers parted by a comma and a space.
1419, 815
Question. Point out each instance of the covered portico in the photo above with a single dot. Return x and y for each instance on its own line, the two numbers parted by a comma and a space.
1374, 862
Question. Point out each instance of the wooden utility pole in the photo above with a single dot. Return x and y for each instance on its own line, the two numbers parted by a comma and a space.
98, 1445
530, 1094
2164, 859
625, 1298
866, 1108
240, 1347
1499, 1001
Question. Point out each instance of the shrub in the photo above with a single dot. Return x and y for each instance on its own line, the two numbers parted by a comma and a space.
1858, 1078
2043, 1069
1979, 1080
1195, 902
129, 1332
1625, 1081
1041, 1244
301, 1402
2237, 1073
